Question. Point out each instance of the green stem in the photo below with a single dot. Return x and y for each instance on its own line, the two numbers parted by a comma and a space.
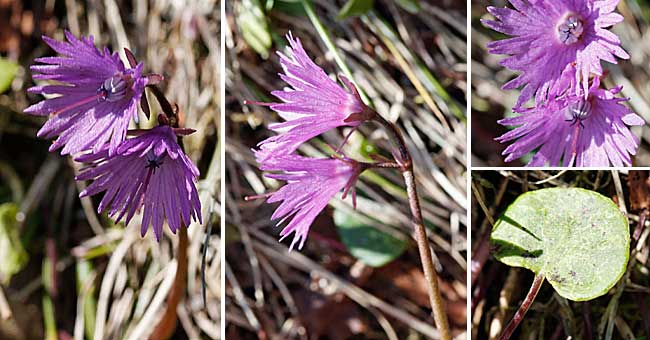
48, 318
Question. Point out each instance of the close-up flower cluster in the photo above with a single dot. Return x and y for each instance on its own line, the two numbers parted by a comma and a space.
96, 98
557, 48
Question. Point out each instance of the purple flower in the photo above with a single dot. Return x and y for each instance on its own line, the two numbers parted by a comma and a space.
313, 105
311, 184
149, 171
97, 95
572, 130
548, 35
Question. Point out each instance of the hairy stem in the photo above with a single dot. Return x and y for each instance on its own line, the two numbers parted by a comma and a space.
519, 315
403, 157
165, 328
425, 256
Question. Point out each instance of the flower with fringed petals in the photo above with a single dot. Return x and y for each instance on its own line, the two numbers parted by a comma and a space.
548, 35
149, 172
97, 96
310, 184
314, 103
571, 130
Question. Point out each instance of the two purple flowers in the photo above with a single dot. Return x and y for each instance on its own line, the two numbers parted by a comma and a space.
96, 97
312, 105
557, 46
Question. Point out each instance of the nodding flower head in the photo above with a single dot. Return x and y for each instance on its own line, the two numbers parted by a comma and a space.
312, 105
310, 184
149, 172
96, 95
573, 130
548, 35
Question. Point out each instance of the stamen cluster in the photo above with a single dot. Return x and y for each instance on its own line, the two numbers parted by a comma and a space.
95, 98
557, 46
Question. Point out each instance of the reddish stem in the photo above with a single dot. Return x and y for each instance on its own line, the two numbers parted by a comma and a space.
586, 317
519, 315
643, 216
165, 328
479, 257
403, 158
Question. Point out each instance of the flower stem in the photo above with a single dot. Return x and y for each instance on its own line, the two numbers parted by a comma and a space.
165, 328
403, 157
167, 108
519, 315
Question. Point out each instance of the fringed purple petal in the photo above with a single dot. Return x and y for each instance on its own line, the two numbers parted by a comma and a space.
87, 112
311, 184
162, 187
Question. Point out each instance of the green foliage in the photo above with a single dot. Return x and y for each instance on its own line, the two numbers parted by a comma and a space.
290, 7
355, 8
411, 6
8, 70
13, 256
368, 244
254, 27
576, 238
86, 291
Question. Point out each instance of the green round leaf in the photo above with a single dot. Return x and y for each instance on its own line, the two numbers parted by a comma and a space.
366, 243
576, 238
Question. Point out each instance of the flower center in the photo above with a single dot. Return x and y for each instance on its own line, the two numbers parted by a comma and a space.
115, 88
154, 162
570, 29
577, 112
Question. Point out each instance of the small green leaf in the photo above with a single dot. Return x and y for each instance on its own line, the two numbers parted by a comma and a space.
8, 71
576, 238
411, 6
254, 27
355, 8
290, 7
368, 244
12, 254
86, 291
